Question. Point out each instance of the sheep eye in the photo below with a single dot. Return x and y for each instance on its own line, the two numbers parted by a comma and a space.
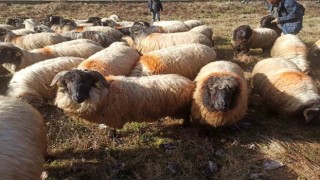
97, 85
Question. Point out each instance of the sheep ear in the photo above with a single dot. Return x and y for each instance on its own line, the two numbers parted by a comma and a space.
100, 78
57, 77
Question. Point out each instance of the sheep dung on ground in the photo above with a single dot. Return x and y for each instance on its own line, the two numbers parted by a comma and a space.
291, 47
221, 94
244, 38
88, 95
285, 88
184, 59
23, 143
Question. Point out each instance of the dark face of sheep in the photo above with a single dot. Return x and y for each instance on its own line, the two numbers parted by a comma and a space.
10, 55
51, 20
77, 83
138, 28
14, 22
94, 20
3, 33
220, 93
67, 22
265, 22
240, 38
109, 23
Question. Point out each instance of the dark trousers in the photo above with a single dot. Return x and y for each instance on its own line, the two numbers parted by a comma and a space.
155, 15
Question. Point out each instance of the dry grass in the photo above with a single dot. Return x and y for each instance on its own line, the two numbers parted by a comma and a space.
165, 150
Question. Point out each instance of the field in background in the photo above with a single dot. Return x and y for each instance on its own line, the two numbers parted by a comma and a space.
165, 150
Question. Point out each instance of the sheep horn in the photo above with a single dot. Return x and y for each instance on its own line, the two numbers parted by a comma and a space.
57, 77
310, 117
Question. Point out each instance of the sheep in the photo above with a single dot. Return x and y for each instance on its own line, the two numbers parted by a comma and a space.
314, 53
185, 60
290, 47
265, 22
172, 26
145, 42
16, 22
108, 30
113, 17
23, 141
117, 59
29, 84
42, 28
14, 58
193, 23
285, 88
100, 37
203, 29
30, 24
7, 26
244, 38
221, 95
88, 95
31, 41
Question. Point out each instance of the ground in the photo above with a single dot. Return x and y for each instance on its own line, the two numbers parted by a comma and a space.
165, 149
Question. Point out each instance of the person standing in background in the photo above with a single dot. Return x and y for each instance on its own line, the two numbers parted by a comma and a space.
288, 15
155, 7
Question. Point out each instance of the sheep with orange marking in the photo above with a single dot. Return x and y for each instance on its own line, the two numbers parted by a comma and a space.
184, 59
314, 53
29, 84
145, 41
14, 58
221, 94
192, 23
172, 26
31, 41
100, 37
203, 29
23, 143
286, 89
291, 47
244, 38
117, 59
88, 95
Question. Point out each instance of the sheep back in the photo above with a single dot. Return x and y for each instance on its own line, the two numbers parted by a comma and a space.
172, 26
117, 59
203, 29
185, 60
108, 30
102, 38
193, 23
283, 86
201, 113
22, 140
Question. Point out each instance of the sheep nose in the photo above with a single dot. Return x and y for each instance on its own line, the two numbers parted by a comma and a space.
78, 98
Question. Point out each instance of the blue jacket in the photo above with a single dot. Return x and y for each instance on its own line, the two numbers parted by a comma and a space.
155, 5
290, 15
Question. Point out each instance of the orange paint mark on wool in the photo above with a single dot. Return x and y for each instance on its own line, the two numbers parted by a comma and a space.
95, 65
16, 39
153, 63
46, 51
291, 79
80, 29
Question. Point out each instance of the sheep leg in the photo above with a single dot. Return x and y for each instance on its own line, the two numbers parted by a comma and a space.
186, 118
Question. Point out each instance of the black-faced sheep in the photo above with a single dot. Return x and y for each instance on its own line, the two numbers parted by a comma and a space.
31, 41
14, 58
244, 38
23, 142
87, 95
144, 41
117, 59
265, 22
221, 94
30, 84
184, 59
314, 53
100, 37
285, 89
291, 47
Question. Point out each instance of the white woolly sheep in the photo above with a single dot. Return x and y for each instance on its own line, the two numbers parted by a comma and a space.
30, 24
185, 60
14, 58
192, 23
314, 53
32, 41
117, 59
29, 84
285, 89
172, 26
123, 99
23, 141
290, 47
100, 37
244, 38
203, 29
145, 42
221, 94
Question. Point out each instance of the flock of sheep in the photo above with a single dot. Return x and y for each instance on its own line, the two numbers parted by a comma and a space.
110, 71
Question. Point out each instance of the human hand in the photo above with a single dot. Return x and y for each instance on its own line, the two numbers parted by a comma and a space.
275, 21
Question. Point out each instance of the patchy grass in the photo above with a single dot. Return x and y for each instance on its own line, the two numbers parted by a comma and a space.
164, 149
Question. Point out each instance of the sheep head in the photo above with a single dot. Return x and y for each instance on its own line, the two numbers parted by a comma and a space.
220, 93
3, 32
138, 28
241, 36
265, 22
79, 83
95, 20
10, 54
311, 113
51, 20
67, 22
16, 22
